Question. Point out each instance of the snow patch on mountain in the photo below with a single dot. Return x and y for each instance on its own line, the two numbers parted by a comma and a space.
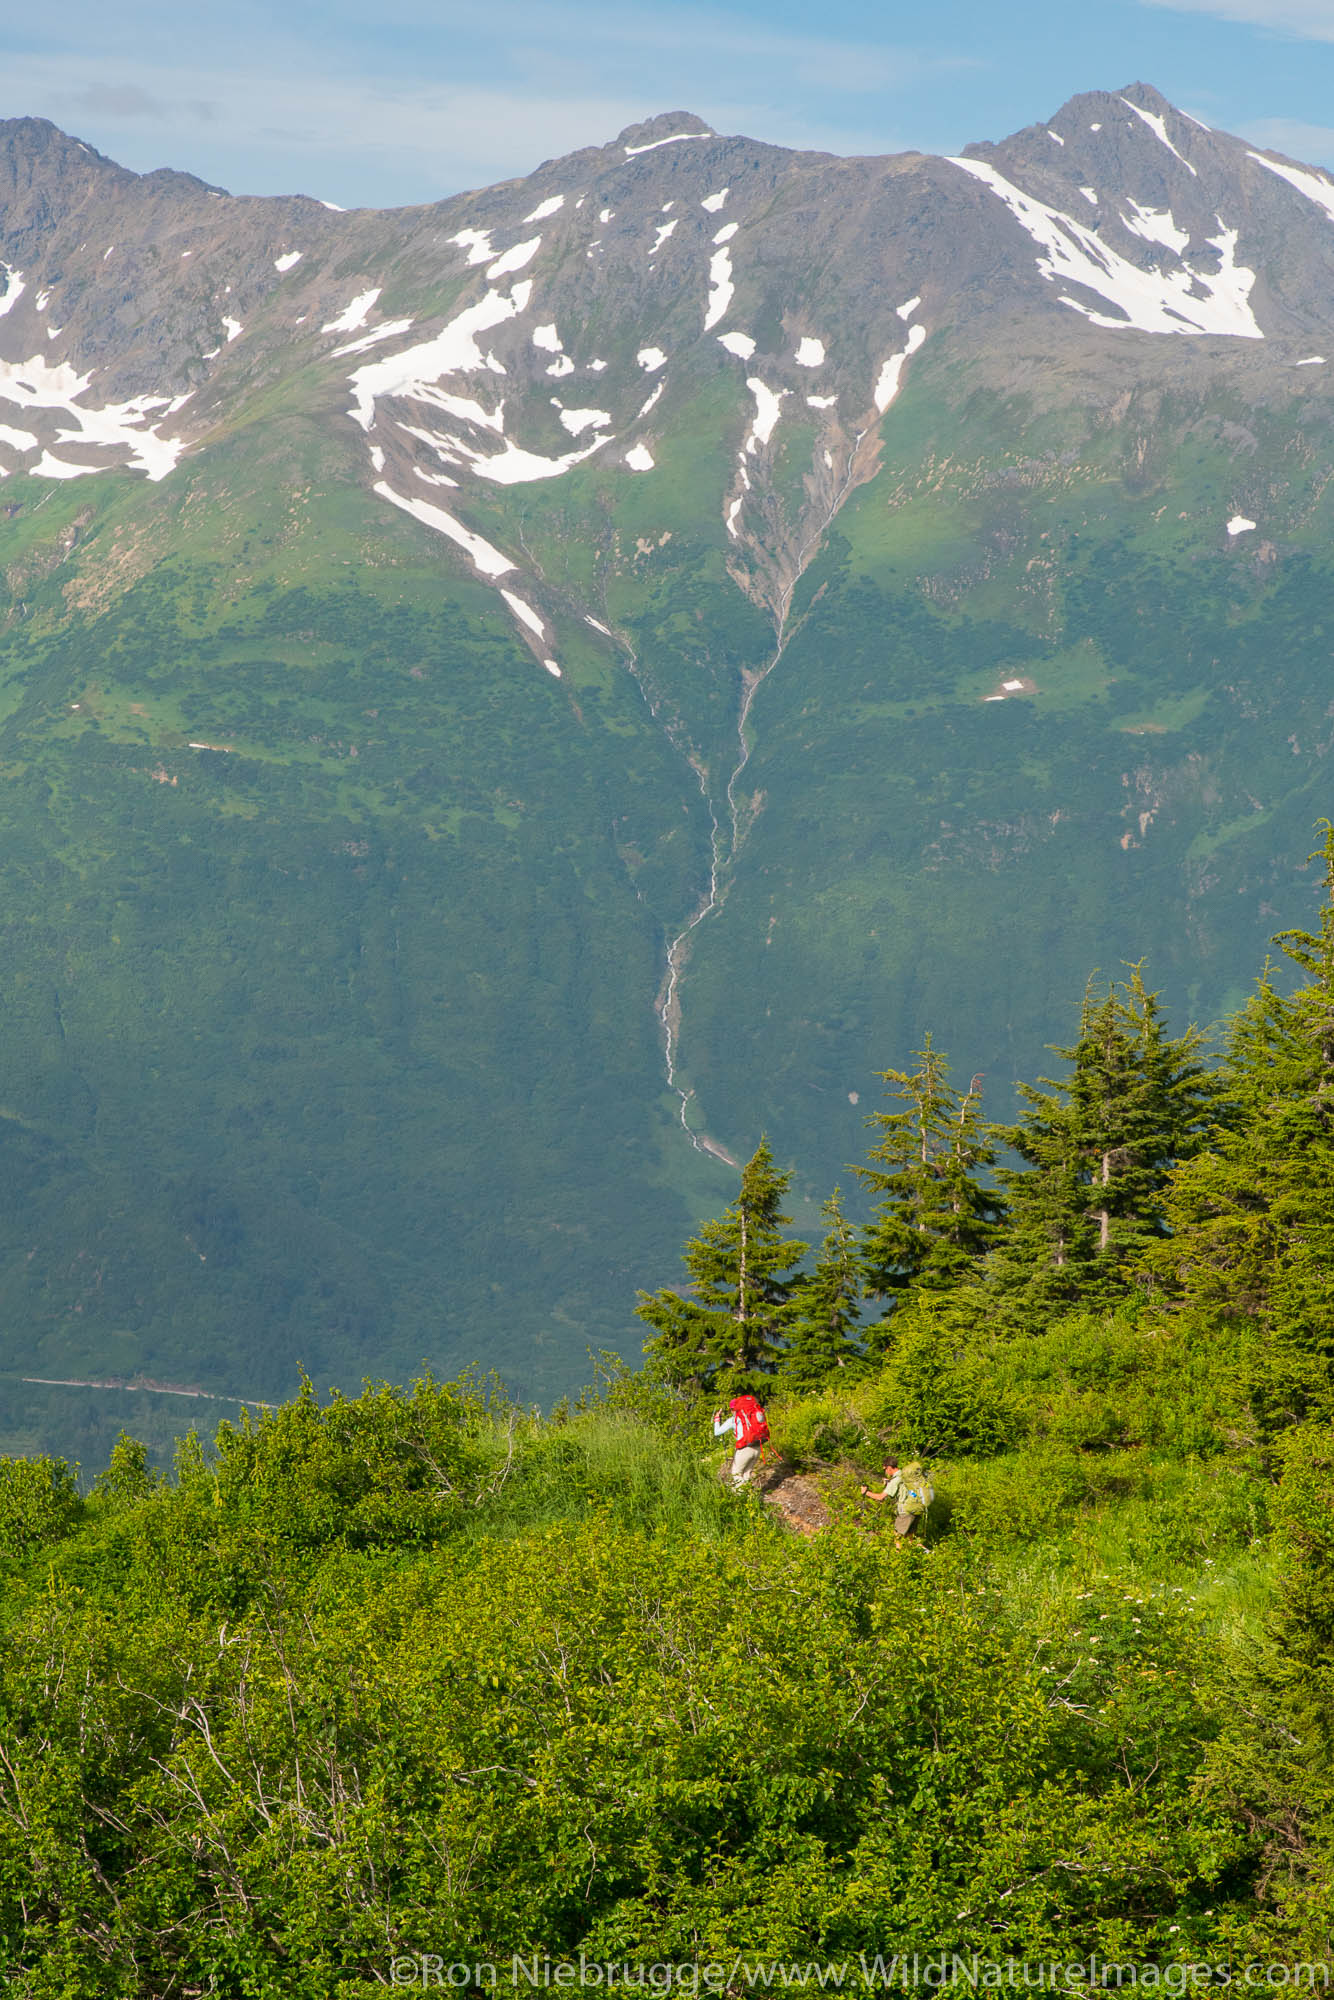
477, 243
515, 259
37, 385
651, 358
452, 351
639, 458
524, 613
1158, 126
664, 231
1156, 225
57, 468
713, 202
810, 352
646, 407
551, 206
468, 411
739, 344
1154, 301
354, 315
1314, 186
721, 288
389, 331
287, 260
768, 404
890, 379
672, 139
578, 421
516, 467
486, 560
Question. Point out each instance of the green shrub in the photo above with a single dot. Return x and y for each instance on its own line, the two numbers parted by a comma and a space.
939, 1397
1194, 1513
1303, 1505
129, 1477
818, 1431
39, 1503
1038, 1494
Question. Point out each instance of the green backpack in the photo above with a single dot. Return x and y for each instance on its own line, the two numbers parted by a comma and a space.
915, 1491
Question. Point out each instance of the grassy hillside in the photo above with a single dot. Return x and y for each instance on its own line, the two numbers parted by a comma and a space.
417, 1674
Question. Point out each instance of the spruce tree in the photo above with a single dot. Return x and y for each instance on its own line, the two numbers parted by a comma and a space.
1253, 1215
936, 1220
727, 1336
1100, 1146
826, 1308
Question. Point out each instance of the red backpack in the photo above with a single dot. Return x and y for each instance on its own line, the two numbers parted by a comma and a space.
752, 1426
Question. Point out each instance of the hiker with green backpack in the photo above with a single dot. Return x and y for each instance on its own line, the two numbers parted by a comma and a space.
910, 1490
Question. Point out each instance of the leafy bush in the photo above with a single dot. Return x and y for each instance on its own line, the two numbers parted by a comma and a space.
817, 1430
939, 1397
39, 1503
385, 1468
1194, 1513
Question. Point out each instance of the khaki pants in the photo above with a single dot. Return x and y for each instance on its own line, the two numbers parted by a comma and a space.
743, 1463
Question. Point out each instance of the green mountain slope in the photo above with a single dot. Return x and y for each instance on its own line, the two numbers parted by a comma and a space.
521, 706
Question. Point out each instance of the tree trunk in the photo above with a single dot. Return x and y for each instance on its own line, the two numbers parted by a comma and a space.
1104, 1218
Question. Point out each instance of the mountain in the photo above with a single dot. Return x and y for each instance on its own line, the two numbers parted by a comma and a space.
502, 701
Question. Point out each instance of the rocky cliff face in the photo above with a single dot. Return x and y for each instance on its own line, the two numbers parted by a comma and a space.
502, 339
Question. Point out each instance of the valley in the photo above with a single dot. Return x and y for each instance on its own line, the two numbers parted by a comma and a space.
503, 702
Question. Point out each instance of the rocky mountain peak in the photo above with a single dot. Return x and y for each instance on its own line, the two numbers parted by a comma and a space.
509, 337
656, 131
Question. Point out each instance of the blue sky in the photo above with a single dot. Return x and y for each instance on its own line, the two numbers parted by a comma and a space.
393, 101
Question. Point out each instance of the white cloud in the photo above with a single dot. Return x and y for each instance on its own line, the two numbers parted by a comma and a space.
1312, 20
412, 101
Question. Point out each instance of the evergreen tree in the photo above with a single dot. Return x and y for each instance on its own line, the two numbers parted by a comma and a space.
1100, 1147
935, 1221
1253, 1216
741, 1274
826, 1308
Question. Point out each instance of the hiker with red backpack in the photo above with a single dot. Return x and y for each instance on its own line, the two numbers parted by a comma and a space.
750, 1427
